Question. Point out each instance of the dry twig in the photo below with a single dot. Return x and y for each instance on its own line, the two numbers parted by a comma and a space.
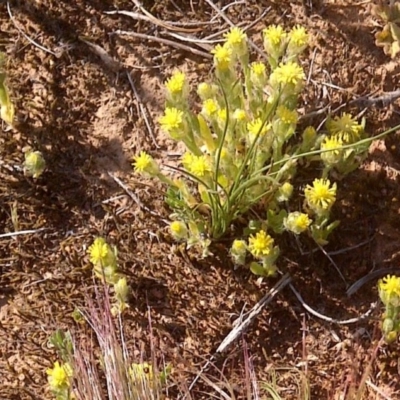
163, 41
142, 109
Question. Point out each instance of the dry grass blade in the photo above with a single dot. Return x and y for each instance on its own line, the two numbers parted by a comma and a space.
163, 41
242, 326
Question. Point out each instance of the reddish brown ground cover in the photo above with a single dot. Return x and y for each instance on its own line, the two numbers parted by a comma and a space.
80, 111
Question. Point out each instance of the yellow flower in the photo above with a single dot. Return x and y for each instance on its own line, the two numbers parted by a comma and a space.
58, 376
298, 37
287, 116
261, 244
141, 372
178, 230
210, 107
238, 252
239, 115
389, 291
206, 91
285, 192
321, 195
34, 164
222, 115
235, 37
258, 74
390, 285
345, 126
172, 119
256, 127
297, 222
200, 166
273, 35
236, 40
145, 163
222, 56
187, 160
287, 74
98, 251
258, 68
176, 84
334, 144
121, 290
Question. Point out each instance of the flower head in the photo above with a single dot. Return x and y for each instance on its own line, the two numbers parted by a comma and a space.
298, 39
206, 91
390, 284
102, 255
121, 290
297, 222
177, 87
98, 251
236, 40
287, 74
141, 372
199, 166
285, 192
176, 83
346, 126
179, 230
274, 38
261, 244
238, 252
222, 56
258, 74
239, 115
257, 127
321, 195
210, 107
34, 164
288, 117
334, 144
58, 376
145, 163
389, 290
172, 120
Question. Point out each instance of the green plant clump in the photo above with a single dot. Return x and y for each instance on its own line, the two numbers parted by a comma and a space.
243, 150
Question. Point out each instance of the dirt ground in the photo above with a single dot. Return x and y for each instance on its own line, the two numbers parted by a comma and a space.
79, 109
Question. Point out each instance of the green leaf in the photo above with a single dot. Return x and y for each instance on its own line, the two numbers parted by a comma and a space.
257, 269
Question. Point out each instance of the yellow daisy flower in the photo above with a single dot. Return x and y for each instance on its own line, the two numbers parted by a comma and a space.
261, 244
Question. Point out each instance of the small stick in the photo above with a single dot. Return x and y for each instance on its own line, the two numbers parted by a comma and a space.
163, 41
242, 326
142, 17
158, 22
142, 109
135, 198
19, 233
25, 35
329, 319
385, 99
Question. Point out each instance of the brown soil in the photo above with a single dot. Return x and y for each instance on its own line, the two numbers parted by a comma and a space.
79, 110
